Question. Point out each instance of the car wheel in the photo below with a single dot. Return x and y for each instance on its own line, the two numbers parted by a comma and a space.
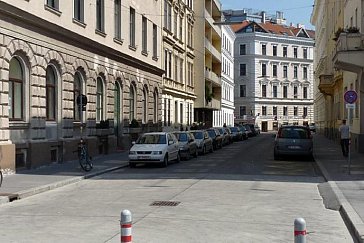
204, 150
212, 149
178, 159
132, 165
189, 155
165, 161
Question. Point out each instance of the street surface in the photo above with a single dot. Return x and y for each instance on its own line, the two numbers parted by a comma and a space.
237, 194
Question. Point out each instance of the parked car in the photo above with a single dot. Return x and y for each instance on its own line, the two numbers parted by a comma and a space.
252, 128
187, 144
237, 135
244, 132
257, 128
312, 127
216, 137
204, 142
225, 136
250, 132
293, 140
155, 147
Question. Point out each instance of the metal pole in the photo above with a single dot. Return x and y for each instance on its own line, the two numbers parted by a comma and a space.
81, 120
125, 226
349, 151
300, 230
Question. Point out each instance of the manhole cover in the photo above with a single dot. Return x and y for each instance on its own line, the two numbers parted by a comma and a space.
165, 203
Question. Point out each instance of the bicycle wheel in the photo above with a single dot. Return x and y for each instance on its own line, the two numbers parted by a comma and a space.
85, 160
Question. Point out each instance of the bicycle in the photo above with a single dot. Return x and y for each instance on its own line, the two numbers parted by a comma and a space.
84, 158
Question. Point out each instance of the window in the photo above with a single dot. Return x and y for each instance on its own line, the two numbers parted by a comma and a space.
181, 113
274, 70
264, 49
305, 53
190, 34
181, 70
132, 27
285, 111
155, 107
242, 69
242, 110
144, 34
304, 111
285, 71
304, 72
285, 89
145, 105
117, 19
175, 24
264, 90
305, 92
295, 93
264, 69
175, 67
78, 10
77, 90
16, 90
242, 90
132, 103
285, 51
99, 99
51, 93
180, 28
170, 64
53, 4
274, 91
295, 52
100, 19
242, 49
295, 111
155, 41
275, 110
176, 112
264, 110
295, 72
274, 50
167, 15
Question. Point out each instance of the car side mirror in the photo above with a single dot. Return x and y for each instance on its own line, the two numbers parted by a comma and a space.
133, 142
170, 142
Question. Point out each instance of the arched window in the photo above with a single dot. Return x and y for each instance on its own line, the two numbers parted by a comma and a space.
99, 99
118, 107
145, 105
16, 91
132, 103
155, 107
51, 93
77, 90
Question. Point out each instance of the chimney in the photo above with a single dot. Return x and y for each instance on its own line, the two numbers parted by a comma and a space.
263, 17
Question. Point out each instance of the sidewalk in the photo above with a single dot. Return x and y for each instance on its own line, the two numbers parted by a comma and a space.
26, 183
346, 190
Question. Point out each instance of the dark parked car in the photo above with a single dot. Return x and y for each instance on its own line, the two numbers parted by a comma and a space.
216, 137
244, 132
312, 127
293, 140
226, 138
253, 129
187, 144
250, 132
237, 135
204, 142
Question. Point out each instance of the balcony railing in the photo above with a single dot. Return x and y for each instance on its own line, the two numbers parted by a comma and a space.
214, 104
169, 83
350, 42
211, 22
213, 77
212, 49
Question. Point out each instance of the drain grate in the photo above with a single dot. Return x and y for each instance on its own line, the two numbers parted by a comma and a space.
165, 203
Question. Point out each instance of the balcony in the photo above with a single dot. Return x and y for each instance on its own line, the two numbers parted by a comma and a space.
326, 85
211, 22
349, 52
214, 104
212, 77
212, 49
171, 84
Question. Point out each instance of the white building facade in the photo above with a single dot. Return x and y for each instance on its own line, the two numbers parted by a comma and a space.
226, 114
274, 74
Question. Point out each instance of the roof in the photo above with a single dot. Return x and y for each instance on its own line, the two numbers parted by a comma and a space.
273, 28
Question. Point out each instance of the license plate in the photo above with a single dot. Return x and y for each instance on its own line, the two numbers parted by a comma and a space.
294, 147
143, 157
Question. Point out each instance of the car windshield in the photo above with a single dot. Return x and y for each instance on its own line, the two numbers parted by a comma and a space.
182, 137
294, 132
234, 129
221, 131
198, 135
211, 133
242, 129
152, 139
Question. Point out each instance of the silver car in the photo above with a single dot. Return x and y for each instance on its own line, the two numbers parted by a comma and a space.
204, 142
293, 140
155, 147
187, 144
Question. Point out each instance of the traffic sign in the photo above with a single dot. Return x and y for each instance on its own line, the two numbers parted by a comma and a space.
350, 106
350, 96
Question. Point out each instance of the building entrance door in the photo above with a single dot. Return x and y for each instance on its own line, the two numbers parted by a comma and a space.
264, 126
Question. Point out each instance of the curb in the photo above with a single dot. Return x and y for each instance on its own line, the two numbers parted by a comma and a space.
58, 184
350, 216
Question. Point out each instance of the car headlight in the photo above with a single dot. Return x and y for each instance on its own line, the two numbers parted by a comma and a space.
132, 152
156, 152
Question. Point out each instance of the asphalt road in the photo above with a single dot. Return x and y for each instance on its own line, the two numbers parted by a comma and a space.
237, 194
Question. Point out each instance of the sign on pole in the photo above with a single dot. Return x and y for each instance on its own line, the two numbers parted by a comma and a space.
350, 96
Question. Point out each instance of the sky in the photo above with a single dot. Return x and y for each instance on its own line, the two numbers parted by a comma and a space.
295, 11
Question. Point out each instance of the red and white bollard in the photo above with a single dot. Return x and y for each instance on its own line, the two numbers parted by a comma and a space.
300, 230
125, 226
